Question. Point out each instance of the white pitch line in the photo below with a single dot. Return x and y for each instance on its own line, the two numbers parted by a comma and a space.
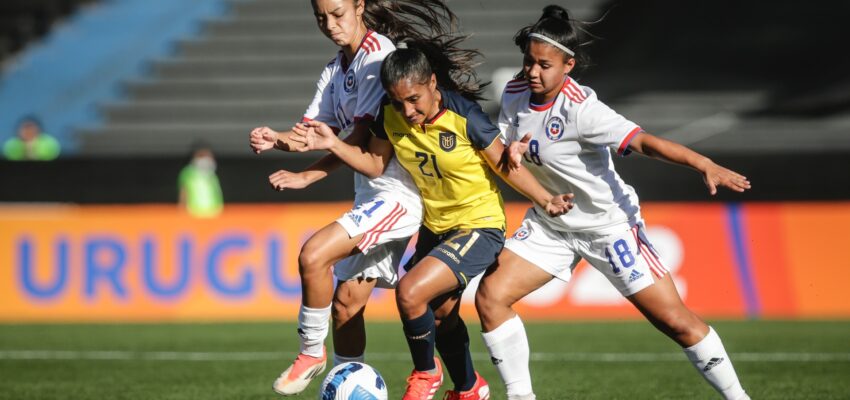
271, 356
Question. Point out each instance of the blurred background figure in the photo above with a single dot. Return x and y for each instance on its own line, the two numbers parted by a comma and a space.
31, 143
200, 191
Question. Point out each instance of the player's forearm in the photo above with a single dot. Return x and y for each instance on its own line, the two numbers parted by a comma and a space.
359, 160
672, 152
321, 168
526, 184
283, 142
518, 178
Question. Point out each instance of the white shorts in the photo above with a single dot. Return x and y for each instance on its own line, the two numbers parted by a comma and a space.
626, 257
386, 225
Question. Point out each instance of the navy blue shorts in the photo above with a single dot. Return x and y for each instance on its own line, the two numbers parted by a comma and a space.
468, 252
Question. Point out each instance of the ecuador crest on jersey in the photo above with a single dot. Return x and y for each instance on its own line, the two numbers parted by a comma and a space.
447, 141
444, 156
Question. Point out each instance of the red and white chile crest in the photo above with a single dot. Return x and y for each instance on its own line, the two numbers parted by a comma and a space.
349, 81
554, 128
521, 233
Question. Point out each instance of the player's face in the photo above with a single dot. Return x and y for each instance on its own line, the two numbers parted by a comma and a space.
340, 20
417, 102
545, 69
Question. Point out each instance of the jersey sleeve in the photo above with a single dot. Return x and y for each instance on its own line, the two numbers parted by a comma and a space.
377, 124
479, 129
321, 108
369, 89
506, 124
599, 124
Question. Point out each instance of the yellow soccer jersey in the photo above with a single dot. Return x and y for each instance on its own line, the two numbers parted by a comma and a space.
443, 157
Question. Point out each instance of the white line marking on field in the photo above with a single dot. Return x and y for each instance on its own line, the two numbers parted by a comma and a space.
270, 356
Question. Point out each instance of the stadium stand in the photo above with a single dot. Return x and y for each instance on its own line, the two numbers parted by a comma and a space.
727, 77
22, 21
758, 88
79, 64
714, 85
257, 65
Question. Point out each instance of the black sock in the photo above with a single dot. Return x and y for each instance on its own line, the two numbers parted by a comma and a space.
454, 350
420, 338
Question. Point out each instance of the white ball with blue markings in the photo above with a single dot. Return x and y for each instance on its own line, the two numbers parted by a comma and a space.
353, 381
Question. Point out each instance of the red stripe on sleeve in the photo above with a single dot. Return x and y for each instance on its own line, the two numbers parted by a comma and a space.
573, 93
578, 91
624, 145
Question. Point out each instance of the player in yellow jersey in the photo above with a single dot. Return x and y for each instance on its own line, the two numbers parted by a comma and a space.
440, 135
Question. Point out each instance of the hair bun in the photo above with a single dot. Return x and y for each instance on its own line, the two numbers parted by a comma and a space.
555, 11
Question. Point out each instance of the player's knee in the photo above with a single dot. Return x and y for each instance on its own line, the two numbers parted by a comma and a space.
346, 305
408, 298
681, 324
310, 261
343, 312
482, 304
489, 300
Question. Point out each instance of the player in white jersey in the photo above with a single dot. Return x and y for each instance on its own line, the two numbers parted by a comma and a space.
366, 244
562, 132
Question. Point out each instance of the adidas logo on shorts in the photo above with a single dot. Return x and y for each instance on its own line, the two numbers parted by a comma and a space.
356, 218
635, 275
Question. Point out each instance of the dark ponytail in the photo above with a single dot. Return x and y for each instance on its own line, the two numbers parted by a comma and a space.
556, 24
427, 36
416, 60
409, 19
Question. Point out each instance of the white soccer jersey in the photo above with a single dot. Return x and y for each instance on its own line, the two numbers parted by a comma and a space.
569, 153
346, 94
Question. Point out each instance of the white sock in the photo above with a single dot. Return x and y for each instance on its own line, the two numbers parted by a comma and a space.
338, 359
313, 329
710, 359
509, 352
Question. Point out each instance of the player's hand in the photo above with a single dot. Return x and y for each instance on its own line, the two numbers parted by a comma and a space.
313, 135
715, 175
515, 151
560, 205
262, 138
284, 179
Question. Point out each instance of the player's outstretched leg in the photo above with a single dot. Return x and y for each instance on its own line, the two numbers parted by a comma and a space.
323, 249
349, 330
510, 353
427, 281
661, 305
311, 360
452, 342
505, 283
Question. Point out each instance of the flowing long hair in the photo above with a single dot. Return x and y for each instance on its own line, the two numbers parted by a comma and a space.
428, 39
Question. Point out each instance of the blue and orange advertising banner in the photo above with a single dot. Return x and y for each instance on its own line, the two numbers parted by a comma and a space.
155, 263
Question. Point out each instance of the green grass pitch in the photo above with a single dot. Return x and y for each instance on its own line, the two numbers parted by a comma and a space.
571, 360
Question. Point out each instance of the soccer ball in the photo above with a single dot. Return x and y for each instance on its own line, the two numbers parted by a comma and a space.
353, 381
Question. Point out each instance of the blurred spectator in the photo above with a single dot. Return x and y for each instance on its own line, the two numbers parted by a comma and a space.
200, 192
31, 143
